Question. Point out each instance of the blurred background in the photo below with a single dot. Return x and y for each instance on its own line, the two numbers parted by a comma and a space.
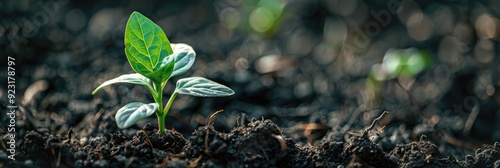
317, 68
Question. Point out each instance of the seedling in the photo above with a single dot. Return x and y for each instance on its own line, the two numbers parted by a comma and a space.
156, 60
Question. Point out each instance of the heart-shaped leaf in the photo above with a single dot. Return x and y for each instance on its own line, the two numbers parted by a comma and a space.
132, 112
146, 45
127, 78
202, 87
184, 56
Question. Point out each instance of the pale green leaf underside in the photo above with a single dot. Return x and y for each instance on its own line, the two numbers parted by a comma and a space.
184, 56
132, 112
202, 87
145, 45
127, 78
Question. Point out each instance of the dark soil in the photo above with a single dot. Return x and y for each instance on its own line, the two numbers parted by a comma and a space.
259, 143
302, 97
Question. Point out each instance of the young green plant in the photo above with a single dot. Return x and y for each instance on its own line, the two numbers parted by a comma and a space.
156, 60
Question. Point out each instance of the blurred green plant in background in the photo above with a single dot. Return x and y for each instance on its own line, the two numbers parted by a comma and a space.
398, 63
263, 16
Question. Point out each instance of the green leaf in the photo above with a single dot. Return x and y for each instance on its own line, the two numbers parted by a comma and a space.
184, 56
202, 87
128, 78
132, 112
164, 70
146, 45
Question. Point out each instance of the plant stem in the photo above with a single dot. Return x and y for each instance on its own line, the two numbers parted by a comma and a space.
169, 103
159, 113
161, 124
152, 91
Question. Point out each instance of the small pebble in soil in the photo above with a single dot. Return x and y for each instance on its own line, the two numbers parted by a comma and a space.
80, 155
78, 164
497, 164
3, 155
28, 163
101, 163
176, 163
159, 153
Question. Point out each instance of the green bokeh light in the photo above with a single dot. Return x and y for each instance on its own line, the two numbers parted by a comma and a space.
262, 19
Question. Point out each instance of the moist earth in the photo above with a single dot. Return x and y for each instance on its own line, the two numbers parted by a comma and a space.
259, 143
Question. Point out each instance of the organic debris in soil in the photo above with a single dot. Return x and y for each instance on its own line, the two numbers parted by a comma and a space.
259, 143
488, 157
421, 154
146, 148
